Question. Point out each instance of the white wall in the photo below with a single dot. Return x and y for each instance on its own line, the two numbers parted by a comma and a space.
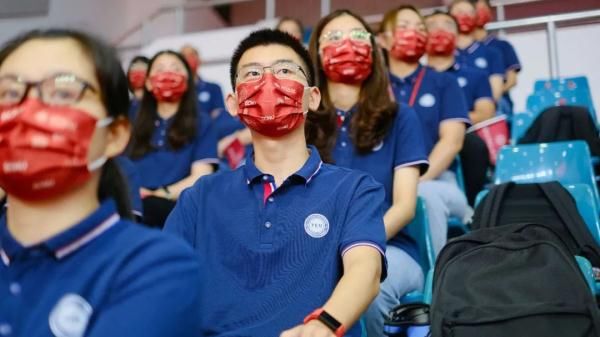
578, 54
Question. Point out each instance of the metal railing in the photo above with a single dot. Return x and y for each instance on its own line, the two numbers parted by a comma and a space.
550, 21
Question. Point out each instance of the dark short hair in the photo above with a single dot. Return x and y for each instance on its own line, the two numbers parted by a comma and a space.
267, 37
138, 59
456, 2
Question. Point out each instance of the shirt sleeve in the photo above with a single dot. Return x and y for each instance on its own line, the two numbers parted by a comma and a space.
180, 221
205, 143
454, 103
156, 294
409, 141
511, 60
496, 62
482, 87
363, 225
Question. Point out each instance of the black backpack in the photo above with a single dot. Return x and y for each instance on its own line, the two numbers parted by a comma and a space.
543, 203
512, 281
561, 123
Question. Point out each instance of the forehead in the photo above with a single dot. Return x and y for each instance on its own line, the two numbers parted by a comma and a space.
60, 55
188, 50
167, 59
342, 22
439, 20
407, 15
289, 24
268, 54
462, 6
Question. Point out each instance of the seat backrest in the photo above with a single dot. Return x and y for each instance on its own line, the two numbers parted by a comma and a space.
418, 230
520, 123
584, 198
573, 83
566, 162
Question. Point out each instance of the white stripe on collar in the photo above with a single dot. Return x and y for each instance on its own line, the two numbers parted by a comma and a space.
73, 246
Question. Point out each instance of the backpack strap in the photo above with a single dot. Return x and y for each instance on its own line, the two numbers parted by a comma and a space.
559, 198
491, 208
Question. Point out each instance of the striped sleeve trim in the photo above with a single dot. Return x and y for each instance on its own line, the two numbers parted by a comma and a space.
362, 243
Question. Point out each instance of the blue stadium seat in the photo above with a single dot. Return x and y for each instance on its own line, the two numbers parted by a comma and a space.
565, 162
520, 123
573, 83
541, 100
418, 230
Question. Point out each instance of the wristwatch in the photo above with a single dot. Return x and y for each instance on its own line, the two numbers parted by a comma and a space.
322, 316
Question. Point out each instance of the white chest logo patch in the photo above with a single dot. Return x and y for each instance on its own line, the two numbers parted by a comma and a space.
481, 62
70, 316
378, 147
204, 96
316, 225
462, 82
427, 101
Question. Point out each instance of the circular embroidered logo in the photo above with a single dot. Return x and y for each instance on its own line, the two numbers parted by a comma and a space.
70, 316
378, 146
462, 82
481, 62
427, 101
316, 225
204, 96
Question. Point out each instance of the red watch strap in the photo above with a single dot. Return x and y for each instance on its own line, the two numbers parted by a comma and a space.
339, 332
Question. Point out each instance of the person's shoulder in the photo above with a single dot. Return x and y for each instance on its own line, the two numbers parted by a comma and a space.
442, 79
349, 177
474, 73
146, 245
212, 85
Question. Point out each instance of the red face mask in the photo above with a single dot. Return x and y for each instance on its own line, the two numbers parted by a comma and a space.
441, 43
409, 45
168, 86
44, 149
466, 23
271, 106
137, 79
347, 62
193, 63
484, 15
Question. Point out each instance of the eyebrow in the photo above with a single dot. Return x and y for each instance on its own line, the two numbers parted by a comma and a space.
261, 65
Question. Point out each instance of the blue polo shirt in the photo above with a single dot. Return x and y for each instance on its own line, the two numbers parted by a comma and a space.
134, 106
483, 57
164, 165
403, 146
438, 99
473, 82
224, 123
102, 277
275, 252
210, 96
509, 56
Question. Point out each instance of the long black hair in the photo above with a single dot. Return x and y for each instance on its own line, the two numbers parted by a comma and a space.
185, 122
114, 94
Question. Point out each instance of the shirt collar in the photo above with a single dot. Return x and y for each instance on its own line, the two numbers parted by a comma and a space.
408, 79
488, 39
307, 172
473, 47
69, 240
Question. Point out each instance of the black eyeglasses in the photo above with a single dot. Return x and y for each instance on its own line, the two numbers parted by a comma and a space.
59, 89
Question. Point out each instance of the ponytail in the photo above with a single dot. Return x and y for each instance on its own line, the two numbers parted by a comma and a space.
113, 185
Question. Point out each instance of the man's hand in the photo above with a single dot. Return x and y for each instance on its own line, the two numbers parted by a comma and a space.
313, 328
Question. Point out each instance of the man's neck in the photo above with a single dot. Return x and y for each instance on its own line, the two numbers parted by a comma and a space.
34, 222
280, 157
440, 63
343, 96
167, 110
464, 41
480, 34
402, 69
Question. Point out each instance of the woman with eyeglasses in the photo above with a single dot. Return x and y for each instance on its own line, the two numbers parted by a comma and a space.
172, 143
358, 125
71, 263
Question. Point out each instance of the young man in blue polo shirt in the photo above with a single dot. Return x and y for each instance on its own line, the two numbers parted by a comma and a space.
293, 245
471, 52
512, 65
443, 31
